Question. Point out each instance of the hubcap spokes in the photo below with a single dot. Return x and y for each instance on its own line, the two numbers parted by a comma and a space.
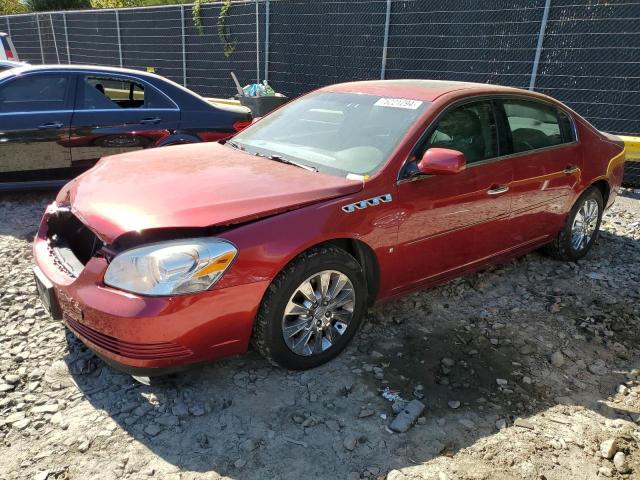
584, 225
318, 312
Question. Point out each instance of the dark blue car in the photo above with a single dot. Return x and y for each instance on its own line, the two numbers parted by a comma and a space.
57, 121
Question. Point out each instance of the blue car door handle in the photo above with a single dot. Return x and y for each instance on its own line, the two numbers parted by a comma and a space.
50, 125
146, 121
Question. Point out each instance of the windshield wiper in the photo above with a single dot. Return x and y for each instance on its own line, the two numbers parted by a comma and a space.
233, 144
280, 159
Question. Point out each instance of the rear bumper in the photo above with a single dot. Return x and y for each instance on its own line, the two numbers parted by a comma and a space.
150, 335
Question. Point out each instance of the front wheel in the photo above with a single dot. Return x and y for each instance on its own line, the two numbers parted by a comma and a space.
581, 227
312, 309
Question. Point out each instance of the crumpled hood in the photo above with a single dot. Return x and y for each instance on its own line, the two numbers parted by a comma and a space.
199, 185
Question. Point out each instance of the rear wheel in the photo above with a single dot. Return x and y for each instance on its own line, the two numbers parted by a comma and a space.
312, 309
581, 228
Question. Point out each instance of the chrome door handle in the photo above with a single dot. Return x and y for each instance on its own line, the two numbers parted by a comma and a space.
50, 125
570, 169
498, 189
147, 121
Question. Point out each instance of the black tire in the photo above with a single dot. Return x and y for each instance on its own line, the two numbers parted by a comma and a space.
268, 336
561, 248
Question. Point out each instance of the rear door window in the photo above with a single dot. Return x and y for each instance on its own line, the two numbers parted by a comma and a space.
34, 93
114, 93
535, 125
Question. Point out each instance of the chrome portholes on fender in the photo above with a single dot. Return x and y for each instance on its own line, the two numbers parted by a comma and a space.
370, 202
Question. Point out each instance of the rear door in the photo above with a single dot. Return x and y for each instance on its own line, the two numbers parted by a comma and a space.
541, 141
118, 113
35, 115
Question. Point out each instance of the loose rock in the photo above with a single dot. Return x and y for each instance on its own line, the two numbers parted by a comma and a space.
407, 416
608, 448
557, 359
620, 462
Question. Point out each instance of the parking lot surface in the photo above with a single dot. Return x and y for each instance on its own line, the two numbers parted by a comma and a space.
528, 370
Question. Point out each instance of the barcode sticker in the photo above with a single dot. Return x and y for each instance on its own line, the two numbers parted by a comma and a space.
398, 103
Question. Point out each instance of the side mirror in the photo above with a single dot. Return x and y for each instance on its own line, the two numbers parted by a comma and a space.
441, 161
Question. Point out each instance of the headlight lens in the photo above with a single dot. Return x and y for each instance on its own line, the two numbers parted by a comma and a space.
170, 268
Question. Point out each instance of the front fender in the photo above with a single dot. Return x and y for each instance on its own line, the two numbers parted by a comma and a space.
267, 245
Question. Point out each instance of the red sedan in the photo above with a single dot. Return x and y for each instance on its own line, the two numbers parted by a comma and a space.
283, 236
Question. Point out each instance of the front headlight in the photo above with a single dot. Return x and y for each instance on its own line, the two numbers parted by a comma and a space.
170, 268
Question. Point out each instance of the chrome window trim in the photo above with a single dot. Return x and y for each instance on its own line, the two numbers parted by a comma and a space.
85, 73
66, 110
128, 76
89, 110
84, 110
502, 96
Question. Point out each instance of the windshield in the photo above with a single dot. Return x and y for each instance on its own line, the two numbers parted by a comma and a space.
337, 133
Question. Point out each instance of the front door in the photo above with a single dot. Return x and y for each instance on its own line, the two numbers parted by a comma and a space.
35, 115
453, 222
117, 114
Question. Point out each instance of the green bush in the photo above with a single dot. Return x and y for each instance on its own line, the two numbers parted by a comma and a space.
8, 7
52, 5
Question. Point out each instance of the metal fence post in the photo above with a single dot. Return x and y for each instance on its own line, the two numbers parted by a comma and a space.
184, 48
55, 40
536, 60
385, 45
119, 40
8, 25
66, 36
257, 41
266, 41
40, 37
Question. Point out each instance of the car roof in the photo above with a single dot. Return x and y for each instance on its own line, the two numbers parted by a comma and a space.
416, 89
13, 63
89, 68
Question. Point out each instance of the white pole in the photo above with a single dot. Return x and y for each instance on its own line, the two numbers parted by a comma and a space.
55, 41
536, 60
387, 20
119, 40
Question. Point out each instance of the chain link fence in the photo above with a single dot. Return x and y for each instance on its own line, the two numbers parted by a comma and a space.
582, 52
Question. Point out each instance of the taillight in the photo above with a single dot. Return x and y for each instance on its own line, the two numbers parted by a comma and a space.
241, 125
213, 136
8, 53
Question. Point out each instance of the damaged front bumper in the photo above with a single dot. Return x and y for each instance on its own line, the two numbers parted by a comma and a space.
139, 334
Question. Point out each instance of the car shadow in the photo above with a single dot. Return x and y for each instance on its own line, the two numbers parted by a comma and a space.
242, 418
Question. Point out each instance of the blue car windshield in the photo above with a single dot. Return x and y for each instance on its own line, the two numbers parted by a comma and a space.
336, 133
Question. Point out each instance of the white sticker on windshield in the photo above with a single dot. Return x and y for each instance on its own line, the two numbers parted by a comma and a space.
398, 103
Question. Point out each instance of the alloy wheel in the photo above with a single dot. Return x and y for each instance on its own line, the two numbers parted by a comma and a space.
584, 225
318, 312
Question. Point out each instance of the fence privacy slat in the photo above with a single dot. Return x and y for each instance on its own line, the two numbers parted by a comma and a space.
582, 53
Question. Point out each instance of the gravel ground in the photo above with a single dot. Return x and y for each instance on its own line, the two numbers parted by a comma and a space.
528, 370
